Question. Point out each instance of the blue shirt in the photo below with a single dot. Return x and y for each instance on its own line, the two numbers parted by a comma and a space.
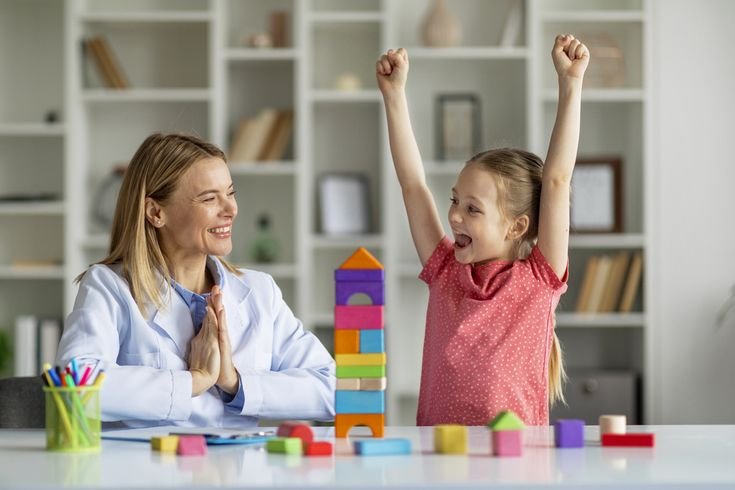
197, 304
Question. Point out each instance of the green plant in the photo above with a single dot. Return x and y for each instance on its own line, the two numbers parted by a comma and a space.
6, 352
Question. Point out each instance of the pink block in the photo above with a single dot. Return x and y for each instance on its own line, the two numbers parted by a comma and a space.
507, 442
192, 446
360, 317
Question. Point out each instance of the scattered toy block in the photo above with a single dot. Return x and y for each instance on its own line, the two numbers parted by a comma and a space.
360, 371
343, 422
318, 448
507, 443
628, 440
284, 445
450, 439
165, 444
373, 384
358, 317
347, 341
344, 290
377, 359
371, 341
296, 429
359, 275
359, 401
506, 420
569, 433
382, 447
348, 384
194, 445
361, 259
612, 424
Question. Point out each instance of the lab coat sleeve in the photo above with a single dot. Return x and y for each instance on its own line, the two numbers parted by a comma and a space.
301, 380
101, 316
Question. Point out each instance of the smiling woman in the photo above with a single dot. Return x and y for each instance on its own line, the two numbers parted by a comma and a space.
184, 337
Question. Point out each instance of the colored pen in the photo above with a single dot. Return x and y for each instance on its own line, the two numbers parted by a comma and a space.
97, 382
80, 416
85, 376
74, 370
51, 373
47, 370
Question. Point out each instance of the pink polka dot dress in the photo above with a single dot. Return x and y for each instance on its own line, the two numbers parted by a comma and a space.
489, 330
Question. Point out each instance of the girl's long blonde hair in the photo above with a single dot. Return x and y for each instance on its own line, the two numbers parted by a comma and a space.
519, 176
155, 172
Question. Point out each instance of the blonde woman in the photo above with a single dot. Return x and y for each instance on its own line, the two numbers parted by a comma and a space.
184, 337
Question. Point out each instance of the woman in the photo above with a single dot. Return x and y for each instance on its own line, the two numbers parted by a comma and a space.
184, 337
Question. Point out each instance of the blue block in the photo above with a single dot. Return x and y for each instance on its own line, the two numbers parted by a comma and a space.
359, 275
359, 401
380, 447
371, 341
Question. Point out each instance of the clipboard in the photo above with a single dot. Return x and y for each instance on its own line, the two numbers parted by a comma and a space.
258, 437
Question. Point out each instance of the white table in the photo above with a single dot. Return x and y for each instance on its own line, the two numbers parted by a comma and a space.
698, 455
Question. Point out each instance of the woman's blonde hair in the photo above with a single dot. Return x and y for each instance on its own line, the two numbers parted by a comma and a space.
155, 172
519, 175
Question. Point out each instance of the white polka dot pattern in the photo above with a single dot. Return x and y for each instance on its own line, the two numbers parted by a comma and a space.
488, 335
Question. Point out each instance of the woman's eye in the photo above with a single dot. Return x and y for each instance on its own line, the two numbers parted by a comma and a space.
453, 200
473, 209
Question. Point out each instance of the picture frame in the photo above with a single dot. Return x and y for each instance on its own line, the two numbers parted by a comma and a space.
596, 194
344, 203
457, 126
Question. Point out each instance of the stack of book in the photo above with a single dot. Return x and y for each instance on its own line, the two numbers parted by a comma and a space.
262, 138
35, 343
610, 283
109, 69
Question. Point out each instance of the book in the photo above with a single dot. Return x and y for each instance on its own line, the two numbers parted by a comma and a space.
49, 333
254, 136
240, 139
598, 286
513, 24
24, 346
112, 68
614, 284
632, 283
279, 138
91, 50
587, 281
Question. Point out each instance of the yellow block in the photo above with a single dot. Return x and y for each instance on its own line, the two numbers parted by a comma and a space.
450, 439
165, 444
377, 359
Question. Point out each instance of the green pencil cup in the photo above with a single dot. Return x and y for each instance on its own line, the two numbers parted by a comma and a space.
73, 419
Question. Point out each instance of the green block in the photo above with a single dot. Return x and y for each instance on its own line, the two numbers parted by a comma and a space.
506, 420
284, 445
360, 371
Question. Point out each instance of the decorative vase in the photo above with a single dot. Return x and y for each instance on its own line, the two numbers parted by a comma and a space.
440, 27
264, 248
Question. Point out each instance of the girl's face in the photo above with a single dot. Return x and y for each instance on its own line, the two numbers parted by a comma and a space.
479, 228
197, 219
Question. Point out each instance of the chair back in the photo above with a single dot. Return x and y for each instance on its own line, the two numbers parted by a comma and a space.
22, 404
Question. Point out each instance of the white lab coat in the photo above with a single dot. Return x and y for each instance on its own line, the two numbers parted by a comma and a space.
286, 372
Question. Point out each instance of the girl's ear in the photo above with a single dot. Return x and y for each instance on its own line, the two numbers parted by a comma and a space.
519, 227
154, 213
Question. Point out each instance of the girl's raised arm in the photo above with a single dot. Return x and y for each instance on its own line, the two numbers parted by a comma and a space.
423, 217
570, 60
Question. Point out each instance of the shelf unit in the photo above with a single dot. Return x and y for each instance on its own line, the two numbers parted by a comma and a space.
191, 70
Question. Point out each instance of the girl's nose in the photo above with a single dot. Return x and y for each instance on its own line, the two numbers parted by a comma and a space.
454, 216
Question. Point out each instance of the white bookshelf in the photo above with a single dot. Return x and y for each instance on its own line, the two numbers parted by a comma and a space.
190, 70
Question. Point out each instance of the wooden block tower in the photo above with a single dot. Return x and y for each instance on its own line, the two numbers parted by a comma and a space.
359, 345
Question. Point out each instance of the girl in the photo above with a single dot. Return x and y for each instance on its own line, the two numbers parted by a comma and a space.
490, 342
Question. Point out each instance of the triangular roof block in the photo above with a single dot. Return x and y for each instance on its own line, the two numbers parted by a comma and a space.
506, 420
361, 259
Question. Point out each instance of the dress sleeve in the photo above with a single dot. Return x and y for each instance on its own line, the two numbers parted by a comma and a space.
543, 272
439, 260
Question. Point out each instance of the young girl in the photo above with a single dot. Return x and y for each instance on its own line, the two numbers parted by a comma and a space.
490, 342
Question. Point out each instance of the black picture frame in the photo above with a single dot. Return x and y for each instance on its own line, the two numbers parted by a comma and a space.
597, 195
458, 126
344, 203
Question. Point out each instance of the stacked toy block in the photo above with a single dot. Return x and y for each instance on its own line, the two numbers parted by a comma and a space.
507, 434
359, 345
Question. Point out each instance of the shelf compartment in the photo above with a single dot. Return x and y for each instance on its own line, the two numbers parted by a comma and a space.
244, 18
348, 49
41, 297
36, 241
32, 34
154, 55
32, 166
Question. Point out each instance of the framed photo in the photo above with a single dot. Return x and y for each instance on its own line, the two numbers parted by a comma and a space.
458, 121
344, 203
597, 204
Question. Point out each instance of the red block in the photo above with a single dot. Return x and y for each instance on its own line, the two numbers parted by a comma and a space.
296, 429
193, 445
318, 448
628, 440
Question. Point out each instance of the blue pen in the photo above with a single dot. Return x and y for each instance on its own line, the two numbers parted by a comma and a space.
74, 370
54, 376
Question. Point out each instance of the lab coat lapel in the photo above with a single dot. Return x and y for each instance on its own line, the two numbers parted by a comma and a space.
236, 293
175, 321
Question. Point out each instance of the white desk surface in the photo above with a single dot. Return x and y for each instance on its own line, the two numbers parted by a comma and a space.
689, 455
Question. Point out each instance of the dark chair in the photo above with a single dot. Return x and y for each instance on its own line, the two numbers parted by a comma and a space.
22, 403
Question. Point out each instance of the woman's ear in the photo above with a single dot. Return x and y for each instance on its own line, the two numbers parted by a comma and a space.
154, 213
519, 227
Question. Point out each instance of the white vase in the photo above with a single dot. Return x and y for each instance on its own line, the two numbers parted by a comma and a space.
440, 27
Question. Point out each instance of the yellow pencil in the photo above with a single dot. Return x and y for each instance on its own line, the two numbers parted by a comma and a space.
97, 384
59, 403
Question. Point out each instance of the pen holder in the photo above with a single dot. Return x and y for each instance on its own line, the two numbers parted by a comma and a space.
73, 419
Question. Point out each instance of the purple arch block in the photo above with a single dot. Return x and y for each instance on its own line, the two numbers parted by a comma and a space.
374, 289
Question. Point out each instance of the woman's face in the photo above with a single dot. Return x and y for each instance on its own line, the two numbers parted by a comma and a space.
197, 219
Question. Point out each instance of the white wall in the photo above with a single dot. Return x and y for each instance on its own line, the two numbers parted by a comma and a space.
694, 212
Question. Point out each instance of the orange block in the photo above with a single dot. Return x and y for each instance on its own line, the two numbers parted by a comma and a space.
346, 341
343, 422
361, 259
